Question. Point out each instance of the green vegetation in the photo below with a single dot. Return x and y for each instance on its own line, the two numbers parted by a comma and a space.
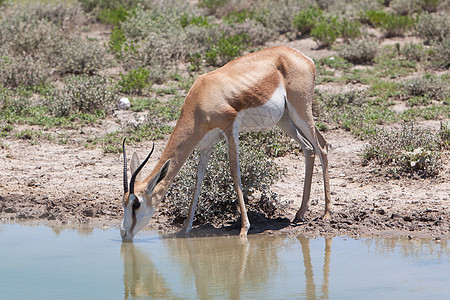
61, 72
218, 198
409, 151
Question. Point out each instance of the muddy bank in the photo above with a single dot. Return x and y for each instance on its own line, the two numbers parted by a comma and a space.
354, 219
74, 185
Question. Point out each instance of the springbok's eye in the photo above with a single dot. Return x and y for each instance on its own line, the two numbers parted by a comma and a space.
136, 204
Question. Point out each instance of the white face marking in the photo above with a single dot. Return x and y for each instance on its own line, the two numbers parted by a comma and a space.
142, 215
266, 116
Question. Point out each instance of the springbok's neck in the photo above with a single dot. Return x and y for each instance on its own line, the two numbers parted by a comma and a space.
181, 143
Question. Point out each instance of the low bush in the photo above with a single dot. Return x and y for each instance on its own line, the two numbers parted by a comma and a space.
76, 55
431, 87
236, 17
225, 49
113, 15
392, 25
212, 6
116, 40
359, 51
278, 15
415, 52
430, 5
405, 7
433, 27
354, 111
325, 32
305, 20
22, 33
217, 202
439, 55
349, 29
134, 81
110, 11
82, 94
409, 151
23, 71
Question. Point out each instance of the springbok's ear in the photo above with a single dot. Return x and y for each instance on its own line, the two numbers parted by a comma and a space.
135, 162
158, 177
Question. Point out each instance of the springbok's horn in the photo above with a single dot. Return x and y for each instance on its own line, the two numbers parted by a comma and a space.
125, 177
133, 177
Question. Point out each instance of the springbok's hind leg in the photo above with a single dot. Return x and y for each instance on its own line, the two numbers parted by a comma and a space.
307, 128
323, 155
291, 130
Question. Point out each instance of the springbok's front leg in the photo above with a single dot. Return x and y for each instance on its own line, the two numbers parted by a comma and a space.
233, 155
204, 156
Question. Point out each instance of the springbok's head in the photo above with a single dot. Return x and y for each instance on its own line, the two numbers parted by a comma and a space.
138, 207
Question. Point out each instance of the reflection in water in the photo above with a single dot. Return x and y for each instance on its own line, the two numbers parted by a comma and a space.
140, 275
221, 267
309, 276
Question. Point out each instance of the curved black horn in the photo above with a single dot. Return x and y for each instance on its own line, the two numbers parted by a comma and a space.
133, 177
125, 177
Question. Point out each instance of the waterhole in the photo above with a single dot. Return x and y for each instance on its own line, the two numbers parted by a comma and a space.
41, 262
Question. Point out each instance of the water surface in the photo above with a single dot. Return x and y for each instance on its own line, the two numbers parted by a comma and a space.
39, 262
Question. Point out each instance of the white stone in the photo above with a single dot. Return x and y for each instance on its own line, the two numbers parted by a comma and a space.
124, 104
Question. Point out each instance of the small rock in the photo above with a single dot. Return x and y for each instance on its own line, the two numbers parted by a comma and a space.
124, 104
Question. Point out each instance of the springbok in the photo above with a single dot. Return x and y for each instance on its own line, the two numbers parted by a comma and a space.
255, 92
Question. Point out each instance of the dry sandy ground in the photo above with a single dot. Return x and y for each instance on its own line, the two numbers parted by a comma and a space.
71, 184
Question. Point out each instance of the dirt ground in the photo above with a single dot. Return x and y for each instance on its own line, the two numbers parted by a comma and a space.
69, 184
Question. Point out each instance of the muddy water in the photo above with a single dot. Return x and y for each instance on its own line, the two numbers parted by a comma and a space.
39, 262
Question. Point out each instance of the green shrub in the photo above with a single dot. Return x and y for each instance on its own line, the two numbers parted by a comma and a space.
355, 112
82, 94
359, 51
76, 55
255, 34
97, 6
22, 33
226, 49
431, 87
236, 17
306, 20
439, 55
433, 27
413, 51
278, 15
187, 19
326, 32
113, 15
392, 25
217, 202
349, 29
23, 71
409, 151
430, 5
152, 54
134, 81
116, 40
405, 7
212, 5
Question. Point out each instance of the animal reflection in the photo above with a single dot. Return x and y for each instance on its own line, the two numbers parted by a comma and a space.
140, 275
221, 267
309, 276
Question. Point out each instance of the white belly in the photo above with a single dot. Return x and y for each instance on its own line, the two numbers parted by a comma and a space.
263, 117
252, 119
